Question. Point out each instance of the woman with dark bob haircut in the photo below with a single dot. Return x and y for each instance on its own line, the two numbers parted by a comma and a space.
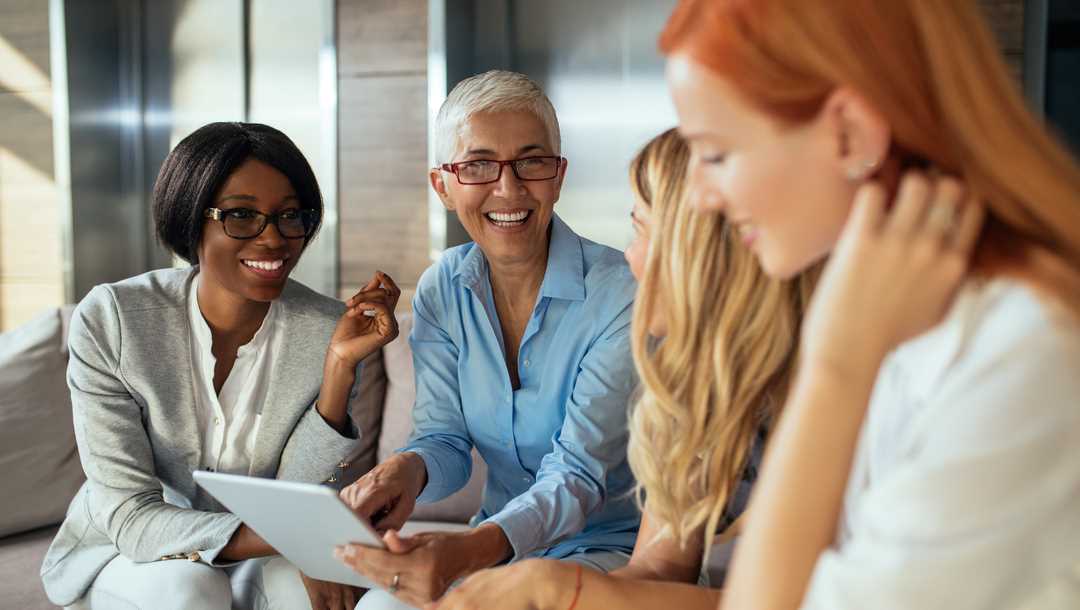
211, 367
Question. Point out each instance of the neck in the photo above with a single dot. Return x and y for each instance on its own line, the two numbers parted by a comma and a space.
517, 282
231, 318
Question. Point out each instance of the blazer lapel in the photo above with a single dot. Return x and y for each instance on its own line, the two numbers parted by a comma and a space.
294, 384
160, 348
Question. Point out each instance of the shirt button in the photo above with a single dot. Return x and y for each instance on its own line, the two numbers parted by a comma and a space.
528, 363
526, 479
217, 421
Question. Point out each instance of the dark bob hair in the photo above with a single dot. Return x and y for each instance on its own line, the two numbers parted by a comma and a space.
196, 169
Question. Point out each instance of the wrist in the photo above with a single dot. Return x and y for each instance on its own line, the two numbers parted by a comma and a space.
338, 371
488, 546
854, 361
555, 582
416, 468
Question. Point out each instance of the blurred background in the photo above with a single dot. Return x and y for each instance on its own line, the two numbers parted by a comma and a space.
94, 93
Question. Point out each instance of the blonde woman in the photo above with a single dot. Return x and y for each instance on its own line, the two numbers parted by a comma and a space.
712, 386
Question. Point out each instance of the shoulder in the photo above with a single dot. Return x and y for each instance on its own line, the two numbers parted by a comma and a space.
299, 300
437, 280
995, 323
609, 284
1004, 362
159, 289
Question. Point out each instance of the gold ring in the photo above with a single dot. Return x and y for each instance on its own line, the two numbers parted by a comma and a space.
942, 216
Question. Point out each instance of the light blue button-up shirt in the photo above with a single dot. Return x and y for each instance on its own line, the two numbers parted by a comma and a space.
558, 480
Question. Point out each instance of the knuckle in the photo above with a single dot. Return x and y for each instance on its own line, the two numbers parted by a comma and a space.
915, 181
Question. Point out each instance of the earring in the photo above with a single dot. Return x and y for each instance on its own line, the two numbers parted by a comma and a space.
861, 171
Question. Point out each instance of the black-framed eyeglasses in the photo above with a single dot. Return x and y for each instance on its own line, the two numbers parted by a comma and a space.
244, 223
486, 171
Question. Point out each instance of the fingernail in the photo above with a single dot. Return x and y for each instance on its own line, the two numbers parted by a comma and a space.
339, 553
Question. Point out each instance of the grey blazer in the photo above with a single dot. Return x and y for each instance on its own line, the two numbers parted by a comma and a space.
132, 392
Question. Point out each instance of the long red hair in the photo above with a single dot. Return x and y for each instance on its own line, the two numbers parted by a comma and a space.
934, 71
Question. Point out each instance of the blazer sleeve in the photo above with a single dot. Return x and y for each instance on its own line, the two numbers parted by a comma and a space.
125, 496
316, 452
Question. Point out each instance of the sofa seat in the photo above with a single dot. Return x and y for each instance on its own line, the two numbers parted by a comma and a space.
20, 563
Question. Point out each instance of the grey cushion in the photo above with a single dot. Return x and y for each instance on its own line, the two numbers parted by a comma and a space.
37, 444
397, 425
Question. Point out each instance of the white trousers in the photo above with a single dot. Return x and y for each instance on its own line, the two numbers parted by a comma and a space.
256, 584
601, 561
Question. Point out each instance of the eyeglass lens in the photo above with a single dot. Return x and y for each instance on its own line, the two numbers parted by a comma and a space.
249, 223
534, 168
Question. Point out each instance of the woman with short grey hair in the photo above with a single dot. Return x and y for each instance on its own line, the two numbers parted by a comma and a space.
522, 350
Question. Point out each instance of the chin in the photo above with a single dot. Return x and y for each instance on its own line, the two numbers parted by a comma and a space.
778, 266
263, 294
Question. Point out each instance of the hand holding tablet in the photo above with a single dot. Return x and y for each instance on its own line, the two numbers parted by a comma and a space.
304, 522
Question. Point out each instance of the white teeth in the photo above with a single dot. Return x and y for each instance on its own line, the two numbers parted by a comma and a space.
508, 217
265, 265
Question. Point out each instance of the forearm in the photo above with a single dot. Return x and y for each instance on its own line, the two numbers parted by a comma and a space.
661, 557
145, 528
601, 591
645, 571
337, 383
245, 544
487, 546
810, 458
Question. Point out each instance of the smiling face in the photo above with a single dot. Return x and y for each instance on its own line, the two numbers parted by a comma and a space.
251, 269
508, 219
783, 186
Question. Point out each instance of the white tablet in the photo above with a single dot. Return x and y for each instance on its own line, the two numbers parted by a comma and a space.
304, 522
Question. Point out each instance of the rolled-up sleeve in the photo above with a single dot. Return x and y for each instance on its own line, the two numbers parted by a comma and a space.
439, 436
571, 483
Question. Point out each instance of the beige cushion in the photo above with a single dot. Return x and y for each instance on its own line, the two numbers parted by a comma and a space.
37, 443
367, 414
397, 425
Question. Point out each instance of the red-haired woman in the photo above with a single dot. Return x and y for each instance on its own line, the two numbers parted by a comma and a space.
927, 453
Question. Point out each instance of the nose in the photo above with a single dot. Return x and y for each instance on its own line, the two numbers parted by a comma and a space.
508, 183
270, 238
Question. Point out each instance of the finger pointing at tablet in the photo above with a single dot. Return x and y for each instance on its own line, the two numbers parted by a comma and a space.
386, 495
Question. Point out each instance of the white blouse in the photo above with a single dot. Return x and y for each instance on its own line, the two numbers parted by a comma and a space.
229, 421
965, 490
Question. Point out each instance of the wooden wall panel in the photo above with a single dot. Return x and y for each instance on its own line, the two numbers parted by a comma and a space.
382, 37
31, 264
382, 141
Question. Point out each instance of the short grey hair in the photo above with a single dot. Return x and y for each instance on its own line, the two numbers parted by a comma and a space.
492, 91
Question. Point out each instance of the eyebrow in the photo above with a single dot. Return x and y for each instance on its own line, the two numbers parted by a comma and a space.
488, 151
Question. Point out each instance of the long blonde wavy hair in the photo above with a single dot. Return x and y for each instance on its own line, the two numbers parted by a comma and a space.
721, 372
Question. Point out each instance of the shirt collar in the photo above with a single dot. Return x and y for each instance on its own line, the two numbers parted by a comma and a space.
564, 277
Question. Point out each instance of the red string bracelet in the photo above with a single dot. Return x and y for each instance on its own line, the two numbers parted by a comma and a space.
577, 589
